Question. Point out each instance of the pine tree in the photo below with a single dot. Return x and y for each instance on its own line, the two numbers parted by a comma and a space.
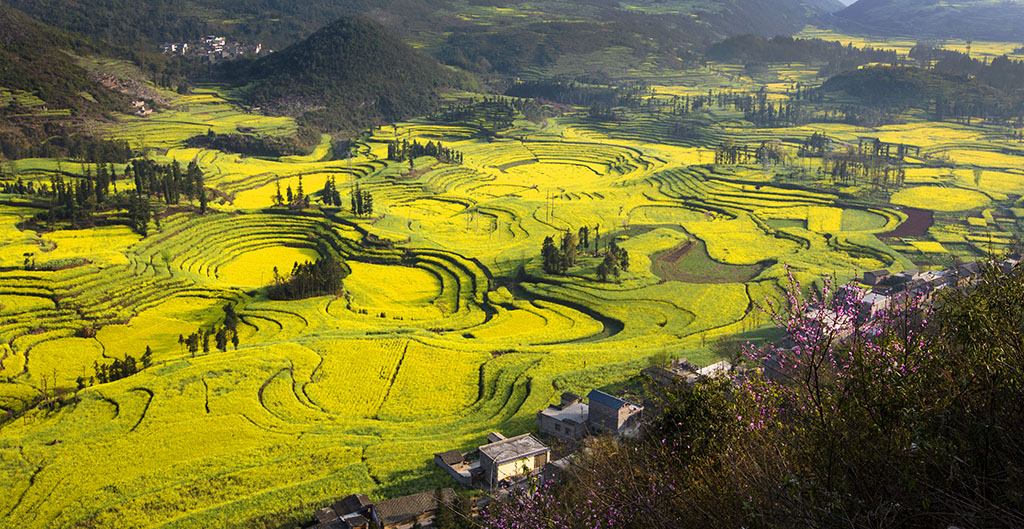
551, 256
300, 196
222, 339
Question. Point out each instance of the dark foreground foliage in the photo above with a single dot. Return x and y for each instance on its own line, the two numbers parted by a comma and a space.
917, 420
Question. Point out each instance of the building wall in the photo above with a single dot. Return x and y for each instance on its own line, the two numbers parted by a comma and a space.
603, 417
561, 430
496, 473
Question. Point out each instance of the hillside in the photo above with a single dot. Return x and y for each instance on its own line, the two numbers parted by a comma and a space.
349, 74
443, 27
35, 59
962, 19
43, 90
905, 86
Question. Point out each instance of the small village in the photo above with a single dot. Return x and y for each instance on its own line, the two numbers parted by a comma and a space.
504, 464
214, 48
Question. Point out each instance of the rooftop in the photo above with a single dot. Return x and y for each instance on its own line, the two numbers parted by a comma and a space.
604, 399
575, 413
451, 457
351, 504
400, 509
514, 448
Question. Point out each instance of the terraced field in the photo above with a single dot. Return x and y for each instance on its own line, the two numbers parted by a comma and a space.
446, 330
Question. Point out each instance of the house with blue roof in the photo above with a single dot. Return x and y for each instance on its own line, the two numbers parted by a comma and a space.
573, 419
612, 414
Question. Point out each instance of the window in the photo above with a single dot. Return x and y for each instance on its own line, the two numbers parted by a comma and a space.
558, 427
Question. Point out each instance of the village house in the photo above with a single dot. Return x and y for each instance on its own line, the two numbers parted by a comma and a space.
351, 512
499, 460
512, 457
571, 419
612, 414
566, 420
875, 277
358, 512
464, 468
679, 370
407, 511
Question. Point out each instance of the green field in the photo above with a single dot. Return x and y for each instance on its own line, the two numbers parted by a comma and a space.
454, 331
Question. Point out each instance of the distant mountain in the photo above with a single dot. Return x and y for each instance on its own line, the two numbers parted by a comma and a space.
347, 75
663, 24
999, 20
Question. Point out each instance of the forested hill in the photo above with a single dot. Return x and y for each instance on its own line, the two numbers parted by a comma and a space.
345, 76
663, 24
34, 60
962, 19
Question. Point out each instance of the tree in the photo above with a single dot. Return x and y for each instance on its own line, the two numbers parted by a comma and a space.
221, 339
147, 357
278, 199
608, 267
192, 342
301, 202
552, 257
234, 339
230, 317
568, 251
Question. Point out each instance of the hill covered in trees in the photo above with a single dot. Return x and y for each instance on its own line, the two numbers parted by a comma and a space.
945, 94
35, 59
348, 74
44, 92
962, 19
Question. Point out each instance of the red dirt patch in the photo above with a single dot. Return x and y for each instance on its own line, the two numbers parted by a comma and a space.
917, 223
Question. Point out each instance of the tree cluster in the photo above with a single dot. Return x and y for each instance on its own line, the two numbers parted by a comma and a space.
330, 195
560, 258
293, 200
752, 49
228, 332
406, 150
168, 181
318, 278
575, 93
361, 202
119, 369
489, 114
616, 260
253, 145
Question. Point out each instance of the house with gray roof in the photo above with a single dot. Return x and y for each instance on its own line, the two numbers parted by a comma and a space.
510, 458
566, 420
407, 511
